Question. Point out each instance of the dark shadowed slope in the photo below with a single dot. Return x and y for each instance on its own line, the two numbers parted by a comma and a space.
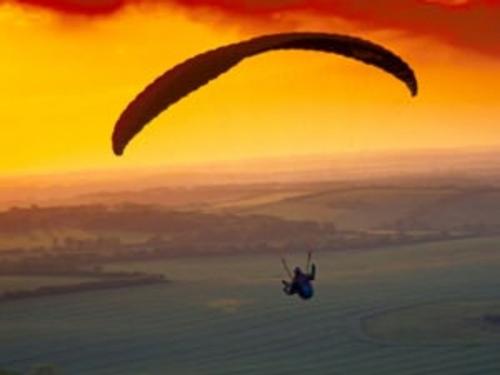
195, 72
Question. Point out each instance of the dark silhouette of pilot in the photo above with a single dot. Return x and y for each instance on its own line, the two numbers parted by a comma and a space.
301, 283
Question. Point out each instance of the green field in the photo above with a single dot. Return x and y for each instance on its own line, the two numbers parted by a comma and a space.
440, 323
227, 315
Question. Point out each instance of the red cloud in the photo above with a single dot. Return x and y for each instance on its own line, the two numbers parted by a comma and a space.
468, 23
84, 7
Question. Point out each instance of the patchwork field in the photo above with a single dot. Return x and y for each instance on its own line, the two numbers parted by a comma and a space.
438, 208
227, 315
17, 283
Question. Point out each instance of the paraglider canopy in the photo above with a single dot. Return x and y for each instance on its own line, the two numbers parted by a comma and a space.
197, 71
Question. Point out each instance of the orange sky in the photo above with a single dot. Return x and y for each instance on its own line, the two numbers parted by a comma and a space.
68, 75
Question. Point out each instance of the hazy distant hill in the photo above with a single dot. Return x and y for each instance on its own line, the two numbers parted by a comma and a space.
267, 212
174, 186
391, 208
433, 194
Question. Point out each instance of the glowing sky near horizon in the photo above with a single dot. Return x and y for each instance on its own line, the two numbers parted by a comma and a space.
69, 68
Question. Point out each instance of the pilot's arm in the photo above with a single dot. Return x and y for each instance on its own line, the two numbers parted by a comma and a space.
312, 275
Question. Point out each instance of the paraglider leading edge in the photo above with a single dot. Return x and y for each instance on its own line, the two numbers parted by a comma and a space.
197, 71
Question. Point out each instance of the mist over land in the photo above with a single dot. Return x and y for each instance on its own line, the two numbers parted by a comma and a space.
355, 201
467, 166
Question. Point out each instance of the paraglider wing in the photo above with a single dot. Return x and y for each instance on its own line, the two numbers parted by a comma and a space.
195, 72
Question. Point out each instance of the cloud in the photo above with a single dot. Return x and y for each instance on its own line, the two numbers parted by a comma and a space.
471, 24
83, 7
464, 23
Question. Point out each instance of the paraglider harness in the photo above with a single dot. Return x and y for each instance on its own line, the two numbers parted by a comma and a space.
300, 282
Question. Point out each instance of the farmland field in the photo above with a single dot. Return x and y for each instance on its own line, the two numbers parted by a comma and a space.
47, 239
385, 207
16, 283
227, 315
